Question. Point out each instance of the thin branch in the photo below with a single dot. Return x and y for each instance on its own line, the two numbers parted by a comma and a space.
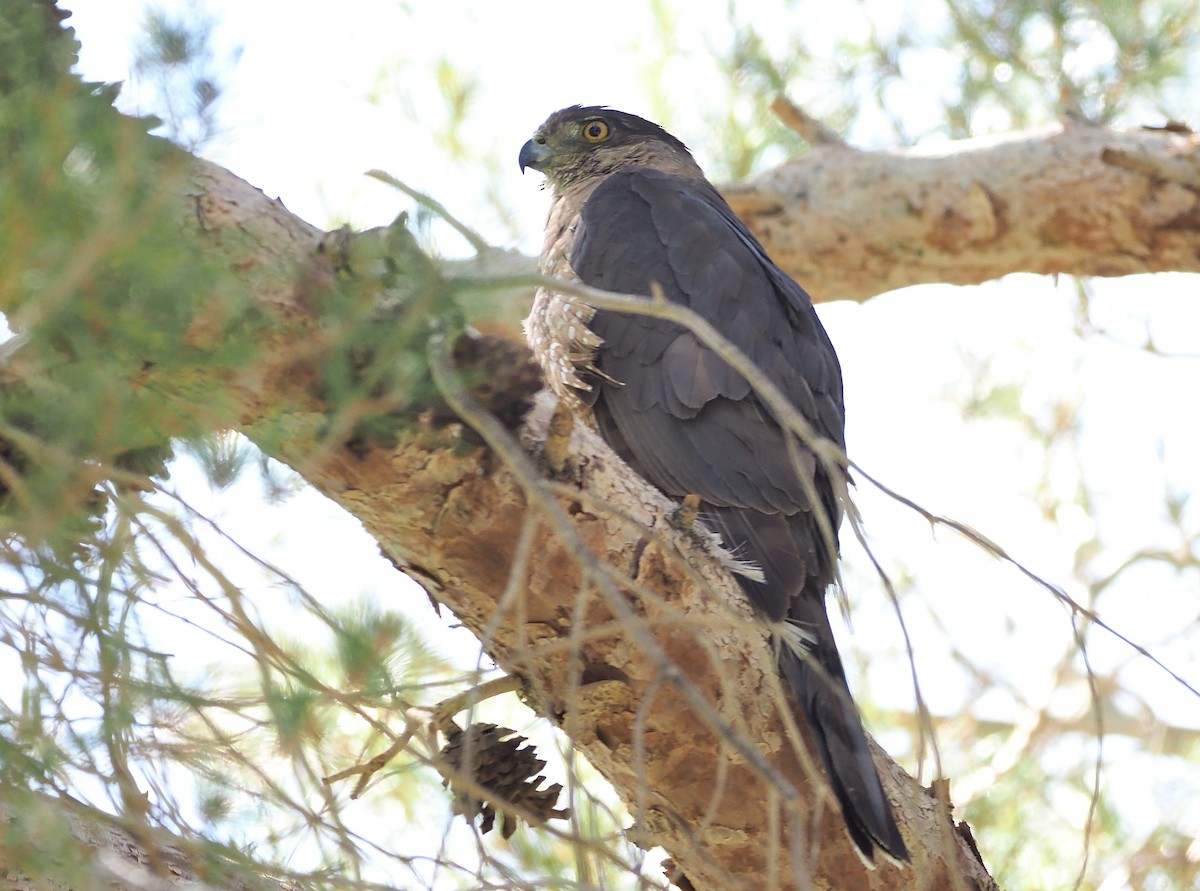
477, 241
447, 708
832, 456
417, 718
812, 130
499, 440
828, 452
1098, 717
995, 550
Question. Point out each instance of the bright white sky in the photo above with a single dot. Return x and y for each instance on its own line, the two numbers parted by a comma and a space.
318, 97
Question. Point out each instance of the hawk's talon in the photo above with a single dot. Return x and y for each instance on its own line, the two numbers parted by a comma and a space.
558, 437
684, 517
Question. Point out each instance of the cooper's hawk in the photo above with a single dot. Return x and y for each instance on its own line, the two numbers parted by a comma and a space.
632, 212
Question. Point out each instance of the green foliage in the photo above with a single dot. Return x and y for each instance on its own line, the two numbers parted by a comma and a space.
235, 727
386, 299
1102, 59
124, 337
223, 457
107, 302
34, 49
372, 647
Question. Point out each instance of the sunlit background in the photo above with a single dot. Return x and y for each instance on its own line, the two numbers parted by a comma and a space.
1056, 417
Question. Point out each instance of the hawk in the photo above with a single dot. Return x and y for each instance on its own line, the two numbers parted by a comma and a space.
632, 212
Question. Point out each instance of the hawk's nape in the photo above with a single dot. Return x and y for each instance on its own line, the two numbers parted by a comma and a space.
632, 213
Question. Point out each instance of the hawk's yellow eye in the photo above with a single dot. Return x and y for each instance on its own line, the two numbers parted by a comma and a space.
595, 131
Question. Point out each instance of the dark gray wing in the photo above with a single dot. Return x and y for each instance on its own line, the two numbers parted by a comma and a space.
689, 424
683, 418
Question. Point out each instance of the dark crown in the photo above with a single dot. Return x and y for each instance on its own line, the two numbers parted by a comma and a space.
623, 123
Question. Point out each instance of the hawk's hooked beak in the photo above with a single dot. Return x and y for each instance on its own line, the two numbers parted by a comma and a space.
535, 155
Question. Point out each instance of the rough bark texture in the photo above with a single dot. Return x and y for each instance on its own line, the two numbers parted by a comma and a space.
456, 518
597, 649
453, 515
1075, 199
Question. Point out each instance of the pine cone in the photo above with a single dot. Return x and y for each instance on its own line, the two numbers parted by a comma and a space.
508, 772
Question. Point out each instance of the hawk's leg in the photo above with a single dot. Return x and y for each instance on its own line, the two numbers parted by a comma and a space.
684, 517
558, 437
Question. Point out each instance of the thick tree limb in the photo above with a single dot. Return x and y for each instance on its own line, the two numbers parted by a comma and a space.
668, 688
1079, 200
626, 632
1073, 199
453, 512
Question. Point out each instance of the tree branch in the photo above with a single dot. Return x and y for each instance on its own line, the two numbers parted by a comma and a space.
446, 510
652, 663
1077, 200
1071, 199
625, 630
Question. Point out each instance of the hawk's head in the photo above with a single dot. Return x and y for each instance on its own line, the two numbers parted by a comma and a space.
581, 142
